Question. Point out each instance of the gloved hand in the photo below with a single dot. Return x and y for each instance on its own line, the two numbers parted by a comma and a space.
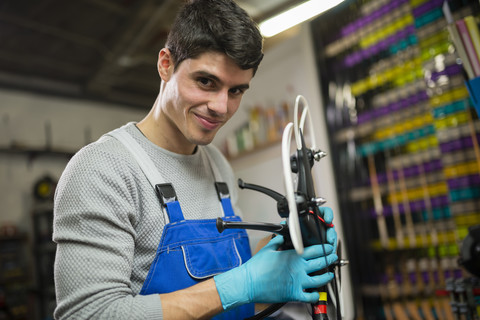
273, 276
331, 233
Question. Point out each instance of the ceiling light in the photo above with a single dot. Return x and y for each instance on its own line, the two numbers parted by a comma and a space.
295, 15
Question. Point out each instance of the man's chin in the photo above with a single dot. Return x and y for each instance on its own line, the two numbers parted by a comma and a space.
202, 141
202, 137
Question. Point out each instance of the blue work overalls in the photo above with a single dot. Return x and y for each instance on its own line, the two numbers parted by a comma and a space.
190, 251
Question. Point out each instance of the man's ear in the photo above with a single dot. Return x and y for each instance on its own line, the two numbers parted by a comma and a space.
165, 64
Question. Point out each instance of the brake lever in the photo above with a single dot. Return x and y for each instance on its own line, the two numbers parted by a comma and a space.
282, 204
281, 229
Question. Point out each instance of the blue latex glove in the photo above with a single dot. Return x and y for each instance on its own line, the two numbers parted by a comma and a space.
331, 233
273, 276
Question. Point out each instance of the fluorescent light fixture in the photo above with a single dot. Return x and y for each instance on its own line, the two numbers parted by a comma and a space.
296, 15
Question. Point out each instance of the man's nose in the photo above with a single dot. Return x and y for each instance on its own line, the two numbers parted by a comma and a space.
219, 102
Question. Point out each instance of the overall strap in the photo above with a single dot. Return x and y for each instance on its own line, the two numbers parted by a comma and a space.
221, 187
168, 198
143, 160
224, 196
169, 202
213, 165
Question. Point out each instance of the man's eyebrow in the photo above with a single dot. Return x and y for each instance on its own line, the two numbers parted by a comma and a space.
242, 86
217, 79
206, 74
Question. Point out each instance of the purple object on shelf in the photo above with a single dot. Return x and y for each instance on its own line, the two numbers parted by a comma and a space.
423, 95
395, 106
402, 33
413, 277
447, 274
434, 165
403, 104
450, 70
439, 201
417, 205
349, 61
349, 28
375, 15
370, 51
411, 171
426, 277
387, 211
463, 182
451, 146
427, 6
398, 278
383, 10
458, 274
364, 117
387, 42
413, 99
453, 69
467, 142
367, 20
381, 178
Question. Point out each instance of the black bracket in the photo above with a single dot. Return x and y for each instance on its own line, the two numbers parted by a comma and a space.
166, 193
222, 190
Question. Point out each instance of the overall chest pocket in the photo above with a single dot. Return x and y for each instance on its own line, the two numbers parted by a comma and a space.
206, 259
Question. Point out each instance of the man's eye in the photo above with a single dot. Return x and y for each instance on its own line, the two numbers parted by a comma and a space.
237, 91
205, 82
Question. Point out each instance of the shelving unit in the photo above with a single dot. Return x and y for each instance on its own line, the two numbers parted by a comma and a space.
44, 252
404, 136
41, 290
33, 152
15, 282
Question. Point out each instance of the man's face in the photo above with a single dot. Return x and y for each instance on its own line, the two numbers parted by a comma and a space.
200, 97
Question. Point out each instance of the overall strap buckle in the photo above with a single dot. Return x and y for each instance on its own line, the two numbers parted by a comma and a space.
224, 197
222, 190
166, 193
168, 198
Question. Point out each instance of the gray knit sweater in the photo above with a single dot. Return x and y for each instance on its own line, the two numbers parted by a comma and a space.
108, 223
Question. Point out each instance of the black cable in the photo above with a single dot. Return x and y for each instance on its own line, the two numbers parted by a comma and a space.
337, 296
334, 286
266, 312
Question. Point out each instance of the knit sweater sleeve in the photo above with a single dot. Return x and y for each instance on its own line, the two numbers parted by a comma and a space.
94, 228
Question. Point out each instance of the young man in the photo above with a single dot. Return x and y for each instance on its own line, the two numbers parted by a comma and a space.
135, 211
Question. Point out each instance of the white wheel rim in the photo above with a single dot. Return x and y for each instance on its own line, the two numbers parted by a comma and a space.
294, 223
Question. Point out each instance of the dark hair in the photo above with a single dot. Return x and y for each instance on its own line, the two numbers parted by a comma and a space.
215, 25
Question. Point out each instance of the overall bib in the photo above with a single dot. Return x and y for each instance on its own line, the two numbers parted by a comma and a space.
190, 251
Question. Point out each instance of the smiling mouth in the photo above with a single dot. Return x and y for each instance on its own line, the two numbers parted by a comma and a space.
208, 123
